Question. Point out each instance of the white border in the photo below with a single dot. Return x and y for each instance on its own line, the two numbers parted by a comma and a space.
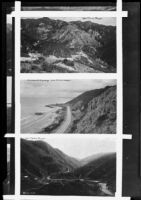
119, 136
71, 14
65, 76
30, 135
35, 197
97, 135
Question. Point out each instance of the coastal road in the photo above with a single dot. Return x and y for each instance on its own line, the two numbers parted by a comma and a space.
65, 124
35, 123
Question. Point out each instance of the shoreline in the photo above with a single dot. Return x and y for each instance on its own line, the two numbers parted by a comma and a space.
44, 122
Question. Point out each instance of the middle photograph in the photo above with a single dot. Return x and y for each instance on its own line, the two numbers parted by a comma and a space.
68, 106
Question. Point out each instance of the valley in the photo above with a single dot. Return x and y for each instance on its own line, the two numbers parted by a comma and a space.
51, 172
71, 187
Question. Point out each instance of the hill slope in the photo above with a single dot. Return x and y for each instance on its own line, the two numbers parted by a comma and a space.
40, 159
94, 111
44, 170
88, 159
102, 168
74, 46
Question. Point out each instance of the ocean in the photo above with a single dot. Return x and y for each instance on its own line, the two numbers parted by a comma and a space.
31, 105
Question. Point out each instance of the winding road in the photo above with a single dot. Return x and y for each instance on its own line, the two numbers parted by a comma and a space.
62, 181
65, 124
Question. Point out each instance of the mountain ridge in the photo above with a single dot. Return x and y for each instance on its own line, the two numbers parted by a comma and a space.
39, 165
66, 40
44, 147
58, 160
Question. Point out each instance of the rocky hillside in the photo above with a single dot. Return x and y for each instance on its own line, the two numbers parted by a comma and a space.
94, 111
74, 46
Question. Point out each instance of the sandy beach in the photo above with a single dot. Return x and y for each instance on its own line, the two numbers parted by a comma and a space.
34, 123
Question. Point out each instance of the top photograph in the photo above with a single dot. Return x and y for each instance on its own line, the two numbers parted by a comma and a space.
68, 45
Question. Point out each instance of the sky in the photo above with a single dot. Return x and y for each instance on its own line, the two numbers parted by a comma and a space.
99, 20
81, 147
61, 89
108, 21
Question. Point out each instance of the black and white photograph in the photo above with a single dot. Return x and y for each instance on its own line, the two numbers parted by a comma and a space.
9, 182
68, 166
9, 77
71, 100
68, 106
68, 45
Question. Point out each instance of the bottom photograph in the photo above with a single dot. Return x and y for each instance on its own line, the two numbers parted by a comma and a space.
83, 166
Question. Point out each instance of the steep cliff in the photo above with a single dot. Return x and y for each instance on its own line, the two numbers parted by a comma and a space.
94, 111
